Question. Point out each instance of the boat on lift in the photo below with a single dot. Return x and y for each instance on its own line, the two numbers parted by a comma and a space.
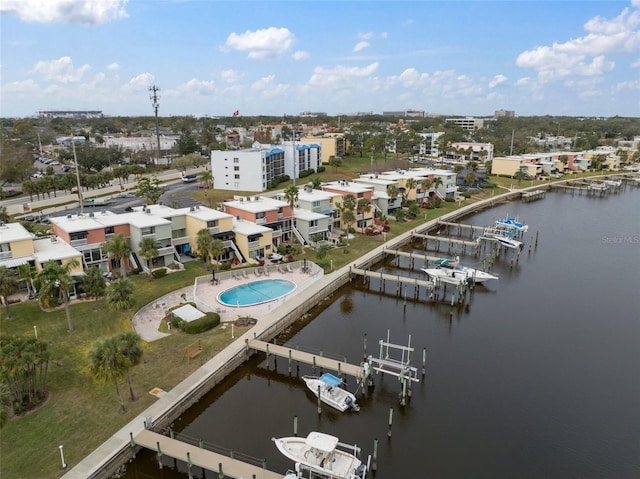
322, 455
328, 386
452, 272
504, 237
511, 223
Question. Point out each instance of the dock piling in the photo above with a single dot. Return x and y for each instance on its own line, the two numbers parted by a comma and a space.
374, 464
390, 422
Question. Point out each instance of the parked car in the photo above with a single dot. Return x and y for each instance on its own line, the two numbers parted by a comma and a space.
190, 178
202, 186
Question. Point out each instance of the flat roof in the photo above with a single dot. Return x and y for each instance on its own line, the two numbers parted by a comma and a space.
314, 195
307, 215
349, 187
47, 249
188, 313
250, 204
247, 228
88, 221
10, 232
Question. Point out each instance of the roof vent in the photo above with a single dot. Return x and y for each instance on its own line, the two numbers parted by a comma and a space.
148, 211
68, 217
256, 198
91, 215
192, 209
54, 239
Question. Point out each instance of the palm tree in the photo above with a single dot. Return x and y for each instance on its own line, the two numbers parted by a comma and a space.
470, 178
106, 364
131, 352
520, 175
207, 178
56, 279
120, 294
410, 185
8, 285
94, 283
363, 206
119, 249
425, 185
204, 243
25, 273
437, 182
348, 218
217, 249
316, 183
148, 250
291, 195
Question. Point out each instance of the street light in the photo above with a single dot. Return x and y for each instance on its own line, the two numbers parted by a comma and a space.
64, 465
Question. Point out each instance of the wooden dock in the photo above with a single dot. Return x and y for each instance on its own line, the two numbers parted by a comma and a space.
391, 277
195, 456
461, 226
316, 360
445, 239
412, 256
533, 195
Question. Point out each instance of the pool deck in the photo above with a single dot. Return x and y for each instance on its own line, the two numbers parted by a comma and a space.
147, 320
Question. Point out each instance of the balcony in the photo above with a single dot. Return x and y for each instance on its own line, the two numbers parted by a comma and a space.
166, 250
253, 244
108, 236
213, 230
317, 229
180, 240
146, 235
280, 216
79, 242
5, 255
261, 221
276, 234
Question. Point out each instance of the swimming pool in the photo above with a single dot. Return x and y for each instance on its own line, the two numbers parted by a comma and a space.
256, 292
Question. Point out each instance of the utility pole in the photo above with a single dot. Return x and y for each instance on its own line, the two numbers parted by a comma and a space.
155, 102
75, 159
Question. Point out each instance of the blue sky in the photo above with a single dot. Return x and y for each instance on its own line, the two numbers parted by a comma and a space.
577, 58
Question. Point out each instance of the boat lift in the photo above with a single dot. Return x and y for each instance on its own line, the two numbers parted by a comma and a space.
399, 368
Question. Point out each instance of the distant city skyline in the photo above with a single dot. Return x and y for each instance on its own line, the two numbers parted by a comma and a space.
216, 58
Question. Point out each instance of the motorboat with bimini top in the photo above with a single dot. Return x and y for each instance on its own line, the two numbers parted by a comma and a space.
511, 223
452, 272
328, 386
323, 455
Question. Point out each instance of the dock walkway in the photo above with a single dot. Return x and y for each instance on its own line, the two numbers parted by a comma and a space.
203, 458
342, 367
391, 277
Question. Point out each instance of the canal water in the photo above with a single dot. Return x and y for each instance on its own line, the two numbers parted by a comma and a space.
536, 376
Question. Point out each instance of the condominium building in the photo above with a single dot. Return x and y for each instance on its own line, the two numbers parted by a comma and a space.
468, 123
272, 213
251, 169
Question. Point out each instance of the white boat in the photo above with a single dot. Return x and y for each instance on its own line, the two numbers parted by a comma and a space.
613, 183
597, 187
505, 238
319, 453
452, 272
511, 223
328, 386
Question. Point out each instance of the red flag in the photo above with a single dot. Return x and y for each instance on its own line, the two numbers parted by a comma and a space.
236, 113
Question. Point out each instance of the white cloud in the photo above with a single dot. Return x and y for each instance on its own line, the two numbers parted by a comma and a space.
337, 77
361, 46
497, 80
21, 87
113, 67
84, 12
267, 43
300, 55
584, 56
365, 36
60, 70
523, 81
636, 64
230, 76
140, 82
194, 87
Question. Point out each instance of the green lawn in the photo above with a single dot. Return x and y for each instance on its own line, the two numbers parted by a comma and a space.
81, 413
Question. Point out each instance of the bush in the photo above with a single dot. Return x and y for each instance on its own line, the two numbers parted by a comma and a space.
305, 173
226, 266
320, 169
448, 199
159, 273
200, 325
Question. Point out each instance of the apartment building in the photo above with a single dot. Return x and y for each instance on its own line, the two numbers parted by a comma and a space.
253, 240
470, 151
331, 144
264, 211
358, 191
313, 213
381, 200
250, 169
468, 123
88, 233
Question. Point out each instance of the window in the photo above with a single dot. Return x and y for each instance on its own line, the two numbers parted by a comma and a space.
212, 224
78, 235
237, 177
236, 168
236, 160
109, 230
316, 204
148, 231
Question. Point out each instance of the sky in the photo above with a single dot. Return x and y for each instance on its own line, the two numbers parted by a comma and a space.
214, 58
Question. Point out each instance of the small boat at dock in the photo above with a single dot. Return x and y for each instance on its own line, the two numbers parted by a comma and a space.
511, 223
328, 386
505, 238
452, 272
323, 456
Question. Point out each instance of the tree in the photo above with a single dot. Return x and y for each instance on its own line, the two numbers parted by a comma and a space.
120, 294
186, 144
94, 283
148, 250
23, 369
8, 285
335, 161
520, 175
55, 279
207, 178
25, 273
437, 182
363, 206
131, 353
291, 195
410, 185
316, 183
425, 185
5, 403
107, 364
16, 164
204, 243
217, 249
348, 218
470, 178
150, 189
119, 249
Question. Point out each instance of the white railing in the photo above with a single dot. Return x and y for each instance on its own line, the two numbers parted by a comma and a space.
280, 216
276, 234
253, 244
180, 240
166, 250
148, 235
79, 242
213, 230
5, 254
317, 229
261, 221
